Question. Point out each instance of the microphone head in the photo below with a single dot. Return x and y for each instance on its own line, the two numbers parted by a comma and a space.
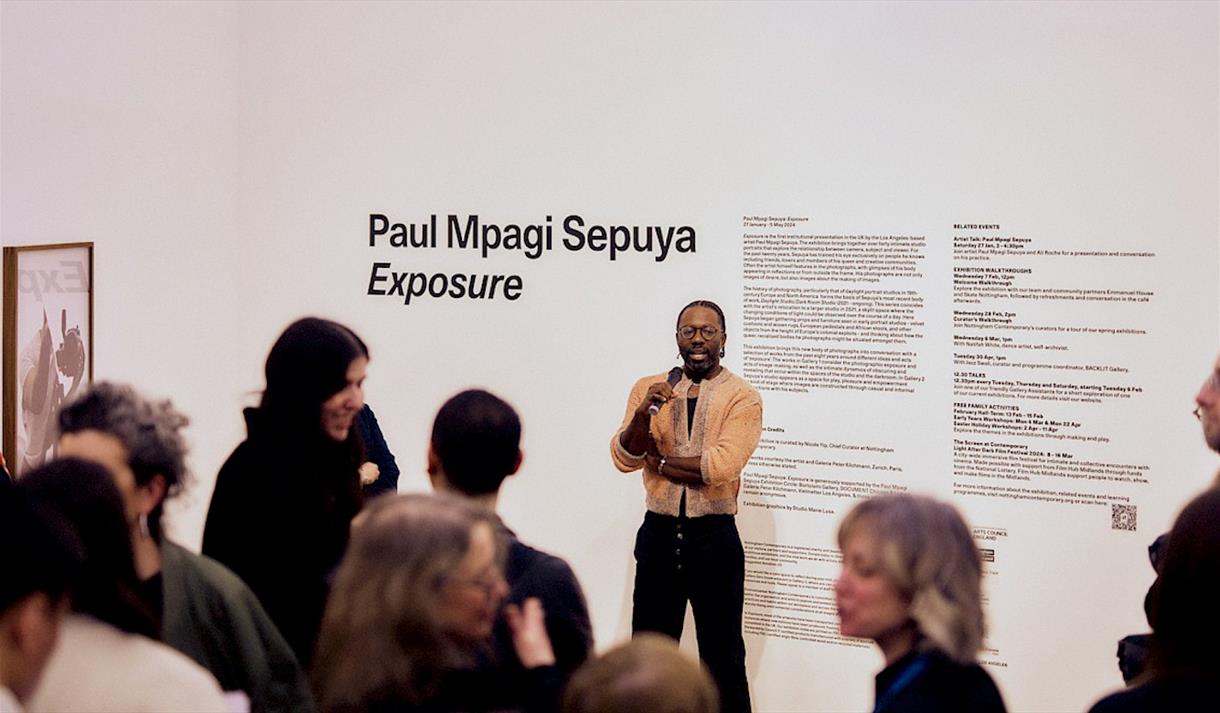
675, 375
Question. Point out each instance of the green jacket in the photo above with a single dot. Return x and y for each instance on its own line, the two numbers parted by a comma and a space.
211, 615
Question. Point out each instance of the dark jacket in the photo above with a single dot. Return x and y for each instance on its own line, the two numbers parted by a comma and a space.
533, 573
376, 450
499, 681
1181, 693
279, 518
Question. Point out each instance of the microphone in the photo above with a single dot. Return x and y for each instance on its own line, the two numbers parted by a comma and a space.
675, 375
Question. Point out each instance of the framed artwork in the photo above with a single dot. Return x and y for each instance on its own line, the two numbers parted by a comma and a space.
48, 344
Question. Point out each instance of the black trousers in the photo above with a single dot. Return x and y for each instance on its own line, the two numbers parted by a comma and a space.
700, 560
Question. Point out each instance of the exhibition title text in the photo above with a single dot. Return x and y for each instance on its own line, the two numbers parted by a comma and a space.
531, 240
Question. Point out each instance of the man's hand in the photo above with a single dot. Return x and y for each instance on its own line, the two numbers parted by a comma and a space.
658, 393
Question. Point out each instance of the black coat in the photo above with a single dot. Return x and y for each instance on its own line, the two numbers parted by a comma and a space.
280, 518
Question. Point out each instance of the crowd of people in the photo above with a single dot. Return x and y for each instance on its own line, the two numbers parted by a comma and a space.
319, 588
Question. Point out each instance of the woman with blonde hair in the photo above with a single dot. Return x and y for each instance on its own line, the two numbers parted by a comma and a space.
912, 582
409, 620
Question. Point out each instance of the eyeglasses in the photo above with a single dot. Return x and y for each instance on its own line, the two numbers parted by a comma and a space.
486, 584
1212, 384
708, 332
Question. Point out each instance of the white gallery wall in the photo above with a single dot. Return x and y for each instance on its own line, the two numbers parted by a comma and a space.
225, 160
119, 126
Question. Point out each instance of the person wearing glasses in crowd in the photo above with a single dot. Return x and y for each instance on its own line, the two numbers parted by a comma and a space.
413, 607
1207, 407
1134, 649
1183, 670
692, 452
476, 446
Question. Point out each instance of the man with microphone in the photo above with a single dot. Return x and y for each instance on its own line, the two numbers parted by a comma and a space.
693, 434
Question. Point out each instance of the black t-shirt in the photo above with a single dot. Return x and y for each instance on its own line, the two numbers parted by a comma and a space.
152, 591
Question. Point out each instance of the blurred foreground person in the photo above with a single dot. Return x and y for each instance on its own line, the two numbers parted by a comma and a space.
412, 610
1207, 407
285, 498
648, 674
1133, 650
107, 658
475, 447
912, 582
39, 560
206, 612
1184, 664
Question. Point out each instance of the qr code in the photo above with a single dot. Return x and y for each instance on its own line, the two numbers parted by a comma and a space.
1122, 517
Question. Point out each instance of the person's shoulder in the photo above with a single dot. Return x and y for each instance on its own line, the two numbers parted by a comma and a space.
204, 573
1171, 694
971, 683
738, 387
1120, 701
526, 561
533, 573
116, 668
241, 458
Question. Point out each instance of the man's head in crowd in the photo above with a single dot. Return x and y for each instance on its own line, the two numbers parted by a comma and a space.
39, 558
1207, 402
476, 440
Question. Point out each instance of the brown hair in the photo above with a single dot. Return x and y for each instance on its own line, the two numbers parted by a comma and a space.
647, 675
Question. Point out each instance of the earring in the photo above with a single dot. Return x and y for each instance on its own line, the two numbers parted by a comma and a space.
144, 525
722, 353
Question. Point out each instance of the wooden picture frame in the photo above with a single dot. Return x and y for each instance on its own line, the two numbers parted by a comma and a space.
47, 346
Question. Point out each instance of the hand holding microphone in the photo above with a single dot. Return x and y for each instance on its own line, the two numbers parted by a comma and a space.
659, 395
